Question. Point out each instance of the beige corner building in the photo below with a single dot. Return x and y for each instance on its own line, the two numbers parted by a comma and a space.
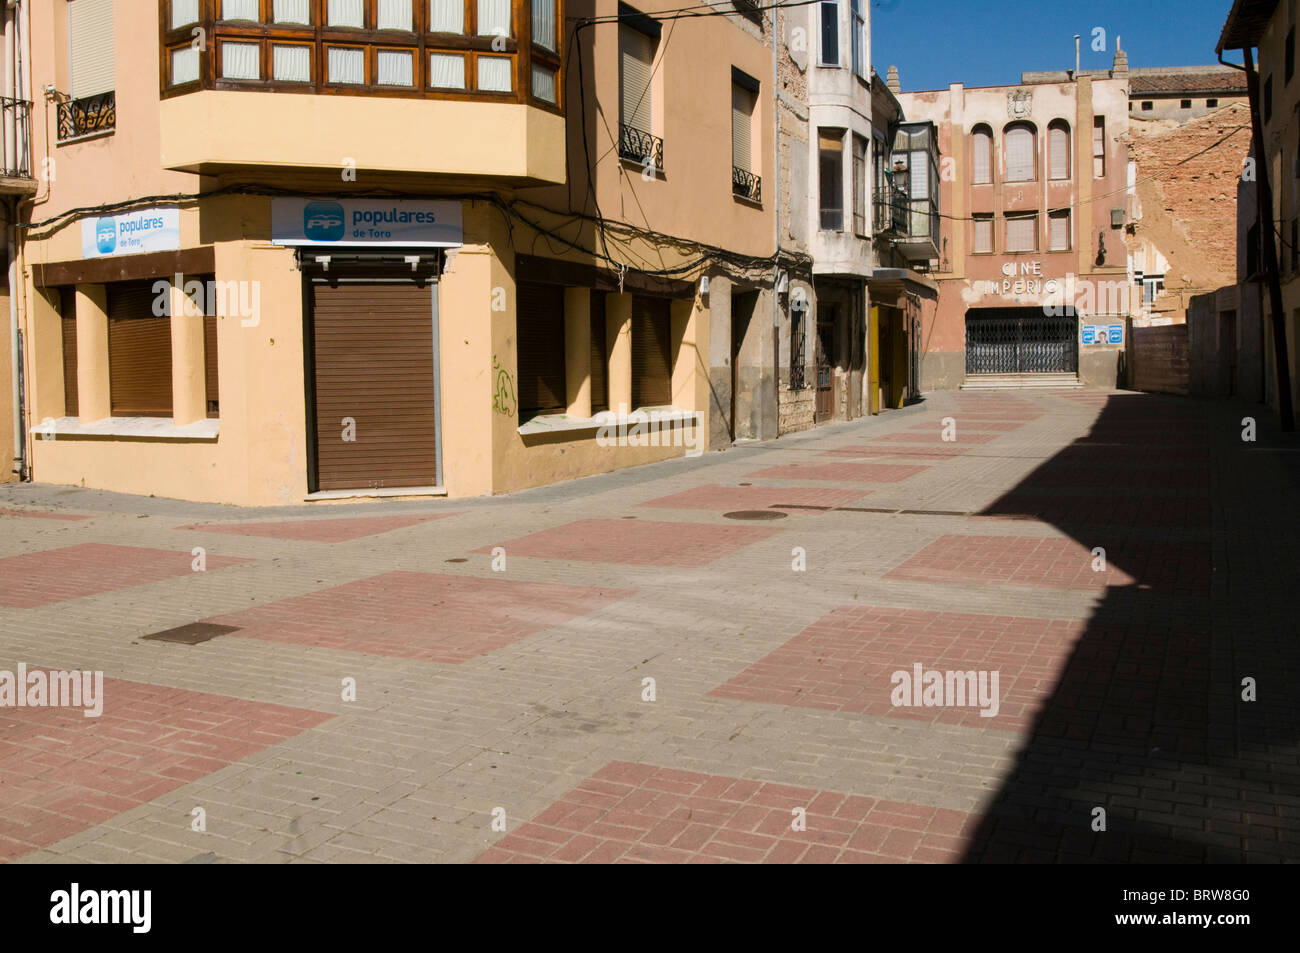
277, 251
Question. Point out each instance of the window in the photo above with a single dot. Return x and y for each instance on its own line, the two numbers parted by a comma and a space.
184, 65
830, 45
539, 324
652, 381
239, 10
1058, 143
1152, 287
68, 320
291, 11
447, 16
742, 121
184, 12
1022, 233
1212, 103
983, 234
1268, 99
1099, 147
346, 66
90, 35
859, 186
291, 63
494, 18
1290, 54
543, 82
859, 35
394, 15
830, 175
599, 356
636, 57
345, 13
1146, 105
1058, 230
446, 71
544, 24
1185, 104
1021, 147
395, 67
494, 74
241, 61
982, 155
139, 352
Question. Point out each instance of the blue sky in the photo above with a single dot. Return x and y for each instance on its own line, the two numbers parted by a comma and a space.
985, 43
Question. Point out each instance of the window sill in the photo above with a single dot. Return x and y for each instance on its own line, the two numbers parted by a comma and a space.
561, 423
131, 428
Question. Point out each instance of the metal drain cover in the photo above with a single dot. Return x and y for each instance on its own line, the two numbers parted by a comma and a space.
192, 634
755, 515
459, 559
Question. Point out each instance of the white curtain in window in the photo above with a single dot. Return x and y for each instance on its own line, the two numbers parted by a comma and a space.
1020, 154
394, 15
544, 23
395, 68
291, 64
1058, 142
494, 17
919, 177
494, 73
240, 61
346, 13
1022, 233
184, 12
239, 10
982, 143
446, 70
544, 83
292, 11
185, 65
983, 236
1059, 231
347, 66
447, 16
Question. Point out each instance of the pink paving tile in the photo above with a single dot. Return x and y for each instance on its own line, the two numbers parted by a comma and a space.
934, 438
846, 662
424, 616
723, 819
722, 498
71, 572
636, 542
1059, 563
61, 772
41, 515
937, 451
319, 530
840, 472
978, 424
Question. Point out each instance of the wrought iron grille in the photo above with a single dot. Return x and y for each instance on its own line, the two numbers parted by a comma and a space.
798, 348
891, 208
87, 116
16, 160
637, 146
746, 185
1021, 345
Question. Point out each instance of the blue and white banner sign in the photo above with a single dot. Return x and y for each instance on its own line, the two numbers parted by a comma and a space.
393, 222
154, 229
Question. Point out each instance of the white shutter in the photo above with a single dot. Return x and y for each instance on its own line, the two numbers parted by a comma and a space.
1022, 233
448, 16
446, 71
742, 120
90, 35
983, 236
1058, 141
636, 53
1020, 154
1059, 231
983, 157
291, 64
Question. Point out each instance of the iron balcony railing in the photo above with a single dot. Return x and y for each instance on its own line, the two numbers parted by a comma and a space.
746, 185
88, 116
16, 154
891, 210
640, 147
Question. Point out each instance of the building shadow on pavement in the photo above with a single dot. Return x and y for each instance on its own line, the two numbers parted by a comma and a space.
1147, 719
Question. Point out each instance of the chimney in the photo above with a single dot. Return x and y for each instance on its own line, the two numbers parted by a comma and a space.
891, 80
1120, 69
1075, 74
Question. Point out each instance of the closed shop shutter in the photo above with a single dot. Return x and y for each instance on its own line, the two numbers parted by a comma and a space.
212, 393
139, 352
373, 352
90, 33
539, 321
651, 353
599, 355
70, 404
636, 53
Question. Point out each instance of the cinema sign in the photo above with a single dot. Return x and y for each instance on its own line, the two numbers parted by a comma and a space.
1019, 278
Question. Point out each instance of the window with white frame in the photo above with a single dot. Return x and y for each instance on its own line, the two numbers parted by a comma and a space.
1021, 145
1058, 148
1058, 230
982, 155
983, 235
830, 33
858, 33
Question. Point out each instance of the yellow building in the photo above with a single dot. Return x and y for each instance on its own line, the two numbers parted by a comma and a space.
301, 250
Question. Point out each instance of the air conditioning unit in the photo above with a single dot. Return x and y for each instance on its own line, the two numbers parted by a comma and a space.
1117, 218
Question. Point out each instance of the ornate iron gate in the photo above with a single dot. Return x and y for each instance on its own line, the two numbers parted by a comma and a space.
1030, 343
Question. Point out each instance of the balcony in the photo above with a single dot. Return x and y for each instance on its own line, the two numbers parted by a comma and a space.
746, 185
916, 174
640, 147
87, 117
397, 89
891, 207
16, 155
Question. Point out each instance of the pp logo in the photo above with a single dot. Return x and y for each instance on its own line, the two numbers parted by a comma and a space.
105, 235
323, 221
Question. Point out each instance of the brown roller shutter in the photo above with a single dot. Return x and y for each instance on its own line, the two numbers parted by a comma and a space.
68, 308
651, 353
373, 351
539, 320
599, 356
212, 392
139, 352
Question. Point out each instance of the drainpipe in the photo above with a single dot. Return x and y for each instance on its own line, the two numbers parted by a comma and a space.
19, 463
776, 228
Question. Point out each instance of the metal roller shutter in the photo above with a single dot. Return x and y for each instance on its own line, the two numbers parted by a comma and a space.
212, 393
539, 323
70, 402
599, 355
652, 384
373, 351
90, 41
742, 112
139, 352
636, 55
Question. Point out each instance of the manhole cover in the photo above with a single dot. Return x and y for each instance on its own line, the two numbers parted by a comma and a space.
192, 634
755, 515
460, 559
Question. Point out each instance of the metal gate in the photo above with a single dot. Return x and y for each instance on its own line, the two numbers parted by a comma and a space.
824, 406
1026, 343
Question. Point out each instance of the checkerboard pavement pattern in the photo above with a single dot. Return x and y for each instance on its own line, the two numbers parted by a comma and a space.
646, 679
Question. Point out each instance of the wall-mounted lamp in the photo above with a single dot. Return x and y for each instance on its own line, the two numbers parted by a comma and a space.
704, 286
782, 282
1101, 248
